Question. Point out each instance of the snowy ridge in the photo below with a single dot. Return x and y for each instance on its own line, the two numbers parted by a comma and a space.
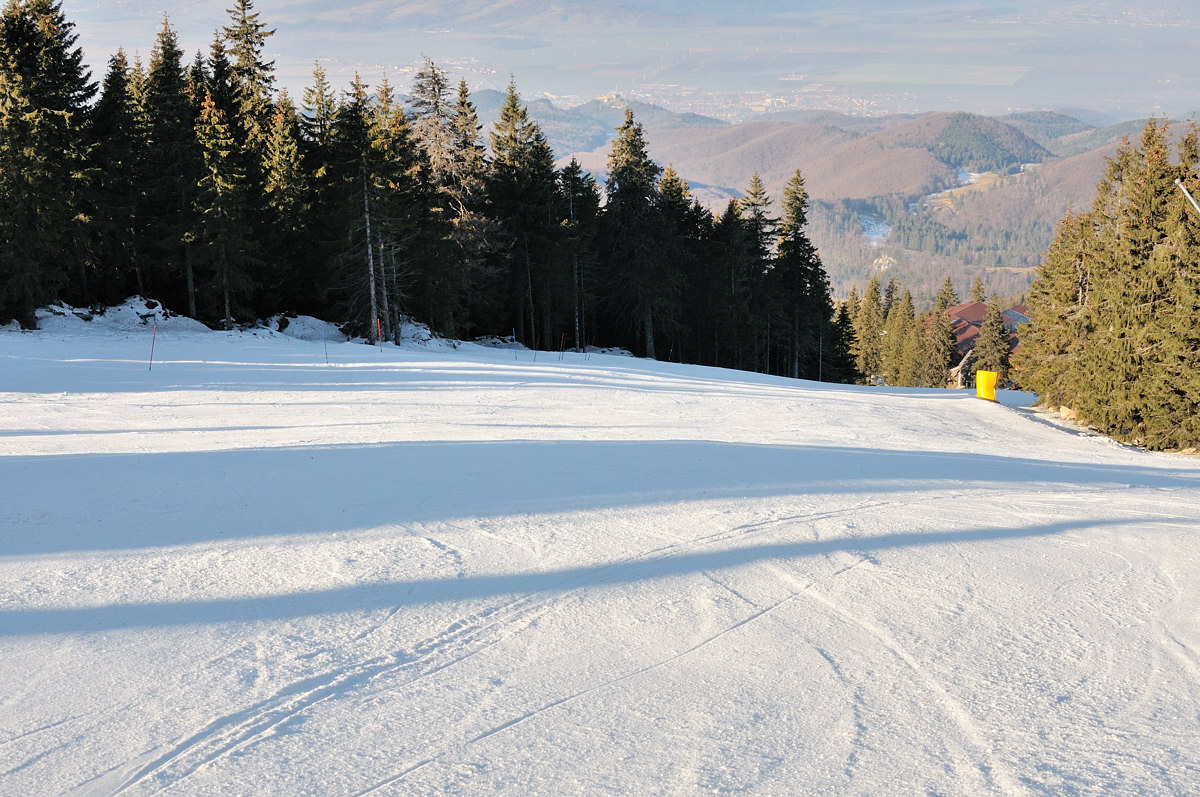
282, 562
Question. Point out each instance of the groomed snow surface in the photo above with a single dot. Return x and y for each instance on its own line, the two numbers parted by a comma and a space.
288, 564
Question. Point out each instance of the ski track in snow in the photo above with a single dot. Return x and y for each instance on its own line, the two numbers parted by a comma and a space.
964, 598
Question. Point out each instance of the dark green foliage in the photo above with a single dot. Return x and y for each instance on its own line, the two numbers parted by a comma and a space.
223, 209
1115, 305
203, 187
642, 284
946, 296
799, 291
868, 334
44, 91
521, 190
118, 130
991, 347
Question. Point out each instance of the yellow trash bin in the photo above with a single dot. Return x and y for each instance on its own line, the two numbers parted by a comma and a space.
985, 384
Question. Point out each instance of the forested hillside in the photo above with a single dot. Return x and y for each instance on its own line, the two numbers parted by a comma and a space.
1115, 339
201, 185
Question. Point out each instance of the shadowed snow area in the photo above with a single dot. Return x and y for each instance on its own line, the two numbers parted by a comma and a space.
283, 563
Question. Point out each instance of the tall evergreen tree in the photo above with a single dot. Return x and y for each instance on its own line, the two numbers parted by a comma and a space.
44, 95
173, 169
799, 289
868, 334
222, 202
286, 281
433, 117
644, 287
521, 198
473, 235
991, 346
252, 78
978, 292
946, 296
118, 130
1060, 301
938, 347
900, 360
579, 207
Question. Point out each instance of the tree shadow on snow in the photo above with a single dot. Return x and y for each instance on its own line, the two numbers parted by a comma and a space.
419, 592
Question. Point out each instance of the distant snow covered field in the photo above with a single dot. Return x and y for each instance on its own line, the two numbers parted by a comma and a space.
278, 562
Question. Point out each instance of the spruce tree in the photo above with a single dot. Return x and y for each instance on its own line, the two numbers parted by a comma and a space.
899, 352
118, 130
734, 265
173, 170
946, 296
868, 334
579, 209
682, 221
351, 171
992, 346
978, 292
433, 117
252, 78
938, 348
799, 289
1061, 304
462, 192
643, 287
287, 283
521, 197
222, 203
44, 95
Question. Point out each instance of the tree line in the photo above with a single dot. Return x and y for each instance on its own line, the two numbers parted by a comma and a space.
894, 345
199, 183
1115, 336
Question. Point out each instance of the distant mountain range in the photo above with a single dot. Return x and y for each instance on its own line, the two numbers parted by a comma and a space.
954, 193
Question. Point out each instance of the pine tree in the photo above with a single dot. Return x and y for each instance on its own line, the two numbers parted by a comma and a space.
682, 221
734, 264
433, 118
286, 281
992, 345
521, 198
890, 294
414, 274
898, 360
317, 121
868, 334
938, 348
799, 288
579, 204
351, 170
44, 95
1060, 301
946, 296
118, 128
473, 235
642, 286
173, 169
252, 78
978, 292
222, 202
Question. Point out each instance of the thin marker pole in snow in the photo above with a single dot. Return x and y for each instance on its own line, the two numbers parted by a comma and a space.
153, 338
379, 332
514, 343
325, 340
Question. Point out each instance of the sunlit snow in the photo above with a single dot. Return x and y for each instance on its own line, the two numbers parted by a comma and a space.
273, 563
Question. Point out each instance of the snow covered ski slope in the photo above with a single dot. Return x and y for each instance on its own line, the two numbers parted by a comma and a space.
307, 567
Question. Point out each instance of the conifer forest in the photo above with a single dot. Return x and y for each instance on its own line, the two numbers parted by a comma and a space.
197, 182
